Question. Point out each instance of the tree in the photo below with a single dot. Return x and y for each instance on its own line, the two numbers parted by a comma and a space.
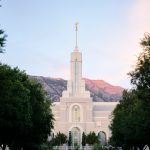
60, 139
2, 41
25, 114
42, 117
83, 139
13, 94
92, 138
130, 120
126, 117
70, 139
140, 78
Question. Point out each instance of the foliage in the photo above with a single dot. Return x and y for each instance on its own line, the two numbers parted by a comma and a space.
83, 139
70, 139
140, 76
60, 139
51, 143
125, 121
2, 41
45, 146
130, 120
25, 115
97, 147
91, 138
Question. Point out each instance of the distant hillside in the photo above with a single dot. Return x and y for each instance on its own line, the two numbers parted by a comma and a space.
99, 89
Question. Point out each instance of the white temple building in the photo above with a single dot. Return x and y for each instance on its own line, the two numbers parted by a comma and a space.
76, 111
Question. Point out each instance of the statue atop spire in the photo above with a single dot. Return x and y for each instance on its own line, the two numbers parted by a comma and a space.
76, 86
76, 29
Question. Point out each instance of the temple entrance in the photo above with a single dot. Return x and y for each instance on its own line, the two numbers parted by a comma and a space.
102, 137
76, 136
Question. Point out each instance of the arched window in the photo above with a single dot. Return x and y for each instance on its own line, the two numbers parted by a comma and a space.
76, 113
102, 137
76, 136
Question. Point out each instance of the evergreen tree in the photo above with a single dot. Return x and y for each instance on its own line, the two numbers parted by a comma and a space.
60, 139
92, 138
70, 139
83, 139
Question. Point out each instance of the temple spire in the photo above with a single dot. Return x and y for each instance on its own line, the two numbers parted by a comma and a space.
76, 29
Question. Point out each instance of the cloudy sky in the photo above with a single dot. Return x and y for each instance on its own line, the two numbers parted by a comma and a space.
41, 36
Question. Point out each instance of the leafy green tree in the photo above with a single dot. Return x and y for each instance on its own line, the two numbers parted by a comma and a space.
131, 122
25, 114
14, 116
60, 139
126, 117
92, 138
2, 41
42, 117
83, 139
140, 78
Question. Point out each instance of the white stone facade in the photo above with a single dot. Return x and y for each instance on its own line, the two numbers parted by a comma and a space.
76, 112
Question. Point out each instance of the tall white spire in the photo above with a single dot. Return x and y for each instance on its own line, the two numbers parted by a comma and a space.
76, 86
76, 29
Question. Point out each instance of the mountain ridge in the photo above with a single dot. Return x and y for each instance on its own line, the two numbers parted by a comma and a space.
100, 90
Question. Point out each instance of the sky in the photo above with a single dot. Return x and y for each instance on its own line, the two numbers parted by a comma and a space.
41, 36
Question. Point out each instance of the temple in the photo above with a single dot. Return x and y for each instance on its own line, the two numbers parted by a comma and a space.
76, 111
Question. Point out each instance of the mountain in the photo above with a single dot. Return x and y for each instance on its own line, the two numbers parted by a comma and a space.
100, 90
